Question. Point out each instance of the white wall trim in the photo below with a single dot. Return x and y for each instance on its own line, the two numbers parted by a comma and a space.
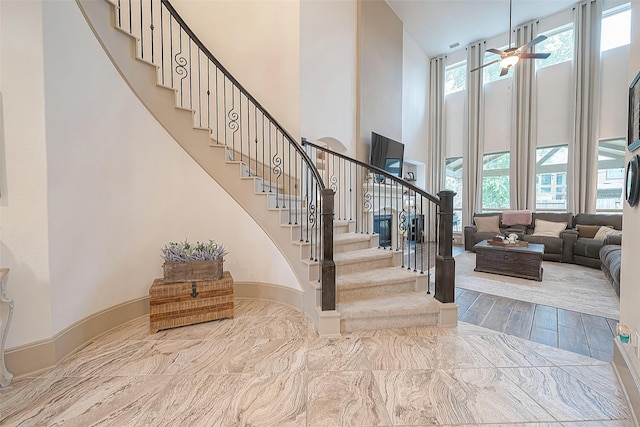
38, 357
628, 378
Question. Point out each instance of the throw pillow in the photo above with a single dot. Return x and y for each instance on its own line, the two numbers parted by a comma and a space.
548, 228
605, 231
488, 224
587, 231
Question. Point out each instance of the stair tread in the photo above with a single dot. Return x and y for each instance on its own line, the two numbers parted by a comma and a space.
351, 237
375, 277
361, 255
404, 304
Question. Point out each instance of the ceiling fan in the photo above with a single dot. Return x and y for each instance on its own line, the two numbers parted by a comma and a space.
510, 56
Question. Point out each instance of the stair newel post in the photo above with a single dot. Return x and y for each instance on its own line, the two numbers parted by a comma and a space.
445, 264
328, 266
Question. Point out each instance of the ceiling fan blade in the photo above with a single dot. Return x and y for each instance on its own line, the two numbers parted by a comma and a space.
496, 51
531, 43
484, 65
535, 55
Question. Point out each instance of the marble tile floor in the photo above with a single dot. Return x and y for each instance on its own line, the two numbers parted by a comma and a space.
267, 367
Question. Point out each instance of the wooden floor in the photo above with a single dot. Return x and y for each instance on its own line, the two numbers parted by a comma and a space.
569, 330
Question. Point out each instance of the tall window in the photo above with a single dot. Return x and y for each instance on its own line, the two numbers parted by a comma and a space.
551, 178
616, 28
453, 181
492, 72
455, 78
495, 181
610, 175
559, 43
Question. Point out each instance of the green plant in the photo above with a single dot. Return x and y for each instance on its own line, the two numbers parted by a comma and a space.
185, 251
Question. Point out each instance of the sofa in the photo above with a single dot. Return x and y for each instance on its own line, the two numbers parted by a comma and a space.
556, 248
573, 242
611, 260
586, 249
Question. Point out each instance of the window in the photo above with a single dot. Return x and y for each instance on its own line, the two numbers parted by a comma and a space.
559, 43
495, 181
455, 78
610, 175
551, 178
453, 181
616, 28
492, 72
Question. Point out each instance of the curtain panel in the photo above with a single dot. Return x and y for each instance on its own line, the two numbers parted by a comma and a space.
524, 125
474, 139
437, 149
437, 68
583, 151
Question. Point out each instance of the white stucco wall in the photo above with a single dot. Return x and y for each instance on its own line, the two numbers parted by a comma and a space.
629, 283
258, 42
95, 185
328, 52
380, 74
24, 242
415, 86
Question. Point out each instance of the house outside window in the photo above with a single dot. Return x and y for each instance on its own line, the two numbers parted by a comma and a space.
611, 175
551, 178
453, 181
495, 181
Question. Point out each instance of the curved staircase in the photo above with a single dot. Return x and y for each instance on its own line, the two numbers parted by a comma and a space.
373, 290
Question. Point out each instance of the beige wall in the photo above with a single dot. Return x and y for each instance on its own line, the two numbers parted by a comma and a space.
415, 86
259, 43
629, 283
94, 185
380, 49
24, 241
328, 47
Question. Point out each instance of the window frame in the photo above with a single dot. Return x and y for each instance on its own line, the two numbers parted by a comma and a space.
448, 69
602, 168
554, 171
493, 173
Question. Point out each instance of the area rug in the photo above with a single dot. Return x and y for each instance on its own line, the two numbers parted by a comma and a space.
568, 286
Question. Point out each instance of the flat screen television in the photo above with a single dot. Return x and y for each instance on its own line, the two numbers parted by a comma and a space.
387, 154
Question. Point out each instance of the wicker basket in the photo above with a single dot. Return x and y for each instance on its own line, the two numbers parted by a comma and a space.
173, 304
192, 270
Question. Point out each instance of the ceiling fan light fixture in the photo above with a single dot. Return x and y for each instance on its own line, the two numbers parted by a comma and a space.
509, 61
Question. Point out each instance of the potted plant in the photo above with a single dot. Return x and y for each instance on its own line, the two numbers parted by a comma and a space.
184, 261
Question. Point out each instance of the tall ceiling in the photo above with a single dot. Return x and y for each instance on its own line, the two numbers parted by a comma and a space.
436, 24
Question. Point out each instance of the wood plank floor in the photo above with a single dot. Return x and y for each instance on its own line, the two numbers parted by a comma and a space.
569, 330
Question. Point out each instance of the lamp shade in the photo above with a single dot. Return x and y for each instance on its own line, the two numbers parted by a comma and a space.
509, 61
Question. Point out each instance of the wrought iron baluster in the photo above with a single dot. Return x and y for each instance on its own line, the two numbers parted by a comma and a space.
264, 176
199, 91
141, 31
153, 27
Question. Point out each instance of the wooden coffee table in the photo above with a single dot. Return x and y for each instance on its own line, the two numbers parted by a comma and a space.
516, 261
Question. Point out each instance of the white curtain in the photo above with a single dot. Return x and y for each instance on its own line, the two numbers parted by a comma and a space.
474, 139
583, 152
437, 68
524, 125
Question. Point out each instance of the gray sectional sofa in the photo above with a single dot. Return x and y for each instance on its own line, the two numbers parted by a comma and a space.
574, 244
554, 247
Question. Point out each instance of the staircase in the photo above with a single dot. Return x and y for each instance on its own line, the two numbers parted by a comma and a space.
372, 287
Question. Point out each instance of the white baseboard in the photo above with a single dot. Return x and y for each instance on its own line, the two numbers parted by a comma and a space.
37, 357
628, 378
